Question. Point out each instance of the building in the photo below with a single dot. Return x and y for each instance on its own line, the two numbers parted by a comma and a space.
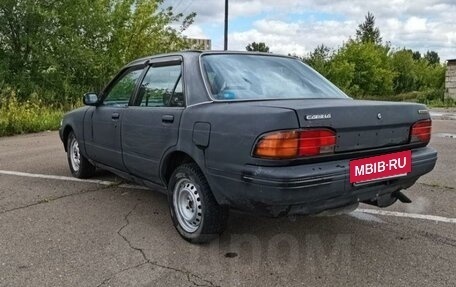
200, 44
450, 80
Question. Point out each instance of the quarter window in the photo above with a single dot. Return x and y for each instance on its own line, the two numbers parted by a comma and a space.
123, 89
162, 87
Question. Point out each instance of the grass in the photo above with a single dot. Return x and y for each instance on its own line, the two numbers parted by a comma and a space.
431, 98
447, 103
27, 117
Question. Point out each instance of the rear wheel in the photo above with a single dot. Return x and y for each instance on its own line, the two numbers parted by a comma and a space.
80, 166
195, 213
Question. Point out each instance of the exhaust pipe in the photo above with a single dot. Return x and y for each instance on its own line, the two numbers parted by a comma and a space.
402, 197
389, 199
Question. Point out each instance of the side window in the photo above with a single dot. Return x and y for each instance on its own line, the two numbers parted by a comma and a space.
162, 87
123, 89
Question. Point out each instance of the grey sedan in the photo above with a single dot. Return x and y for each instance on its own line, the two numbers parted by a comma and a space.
254, 132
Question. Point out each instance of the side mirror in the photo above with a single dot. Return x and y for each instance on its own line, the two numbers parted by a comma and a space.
90, 99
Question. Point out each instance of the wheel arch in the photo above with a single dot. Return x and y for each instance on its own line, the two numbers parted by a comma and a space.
66, 132
173, 160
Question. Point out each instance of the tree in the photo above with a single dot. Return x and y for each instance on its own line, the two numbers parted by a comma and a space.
417, 74
405, 66
257, 47
319, 59
21, 27
62, 48
416, 55
342, 73
430, 77
367, 32
370, 67
432, 57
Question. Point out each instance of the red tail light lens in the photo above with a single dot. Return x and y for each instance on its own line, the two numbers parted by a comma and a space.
295, 143
421, 131
315, 142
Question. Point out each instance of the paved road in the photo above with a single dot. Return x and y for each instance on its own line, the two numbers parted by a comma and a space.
57, 232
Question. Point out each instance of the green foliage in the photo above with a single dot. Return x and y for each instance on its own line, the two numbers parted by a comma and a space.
416, 55
52, 52
431, 98
24, 117
447, 103
367, 32
372, 74
404, 65
257, 47
319, 59
432, 57
63, 48
342, 73
367, 68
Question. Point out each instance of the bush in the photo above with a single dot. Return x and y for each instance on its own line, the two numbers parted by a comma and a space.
430, 97
439, 103
18, 117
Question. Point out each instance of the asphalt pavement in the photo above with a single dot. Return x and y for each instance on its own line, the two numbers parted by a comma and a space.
55, 231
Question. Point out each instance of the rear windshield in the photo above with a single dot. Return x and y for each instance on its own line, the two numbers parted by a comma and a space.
251, 77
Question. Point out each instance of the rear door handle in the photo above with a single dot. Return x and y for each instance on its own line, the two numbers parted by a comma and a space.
115, 116
168, 118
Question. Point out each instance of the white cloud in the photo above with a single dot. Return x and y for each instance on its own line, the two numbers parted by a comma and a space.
277, 27
294, 38
195, 31
415, 24
245, 8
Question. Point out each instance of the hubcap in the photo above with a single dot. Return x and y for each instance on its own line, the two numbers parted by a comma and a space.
187, 205
75, 156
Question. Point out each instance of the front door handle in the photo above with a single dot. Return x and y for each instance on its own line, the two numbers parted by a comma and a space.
115, 116
168, 119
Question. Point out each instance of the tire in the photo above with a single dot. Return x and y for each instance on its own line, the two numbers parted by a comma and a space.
195, 213
80, 166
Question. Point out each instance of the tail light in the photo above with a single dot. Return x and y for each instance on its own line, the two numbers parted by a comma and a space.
421, 131
295, 143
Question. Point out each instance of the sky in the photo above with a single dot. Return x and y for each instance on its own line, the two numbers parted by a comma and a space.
298, 26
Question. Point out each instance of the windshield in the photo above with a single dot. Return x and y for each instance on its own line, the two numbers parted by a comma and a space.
250, 77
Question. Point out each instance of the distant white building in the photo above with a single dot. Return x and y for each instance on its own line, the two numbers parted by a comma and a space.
200, 44
450, 80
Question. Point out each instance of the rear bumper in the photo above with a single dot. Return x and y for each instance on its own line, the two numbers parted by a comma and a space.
307, 189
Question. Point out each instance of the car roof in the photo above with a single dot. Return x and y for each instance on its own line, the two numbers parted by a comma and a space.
189, 53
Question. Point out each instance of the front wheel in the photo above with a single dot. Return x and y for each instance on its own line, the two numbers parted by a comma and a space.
80, 166
195, 213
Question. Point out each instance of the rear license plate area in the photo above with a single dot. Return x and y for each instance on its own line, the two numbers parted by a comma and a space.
382, 167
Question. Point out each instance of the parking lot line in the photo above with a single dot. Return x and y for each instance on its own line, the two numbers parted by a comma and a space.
407, 215
68, 178
130, 186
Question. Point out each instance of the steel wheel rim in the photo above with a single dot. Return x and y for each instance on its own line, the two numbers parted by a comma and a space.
75, 156
187, 205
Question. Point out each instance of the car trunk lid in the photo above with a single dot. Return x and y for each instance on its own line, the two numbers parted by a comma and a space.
359, 125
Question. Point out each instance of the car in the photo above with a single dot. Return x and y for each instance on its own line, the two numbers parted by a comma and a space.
253, 132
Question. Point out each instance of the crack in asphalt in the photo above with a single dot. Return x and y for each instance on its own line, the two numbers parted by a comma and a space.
121, 271
146, 261
188, 274
52, 199
436, 185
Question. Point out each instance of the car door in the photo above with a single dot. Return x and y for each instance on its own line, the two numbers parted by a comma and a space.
104, 145
151, 126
